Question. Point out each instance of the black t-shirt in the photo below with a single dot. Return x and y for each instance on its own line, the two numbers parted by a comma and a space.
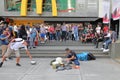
72, 54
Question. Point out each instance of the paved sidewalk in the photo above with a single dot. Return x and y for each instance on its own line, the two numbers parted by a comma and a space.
100, 69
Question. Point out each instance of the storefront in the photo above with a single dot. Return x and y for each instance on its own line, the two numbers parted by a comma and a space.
43, 5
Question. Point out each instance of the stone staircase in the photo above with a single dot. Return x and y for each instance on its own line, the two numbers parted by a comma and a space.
56, 48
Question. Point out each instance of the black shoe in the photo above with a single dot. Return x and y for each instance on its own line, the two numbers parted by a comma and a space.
10, 58
17, 64
34, 47
1, 64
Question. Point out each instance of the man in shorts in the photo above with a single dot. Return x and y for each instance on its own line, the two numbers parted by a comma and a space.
14, 47
71, 57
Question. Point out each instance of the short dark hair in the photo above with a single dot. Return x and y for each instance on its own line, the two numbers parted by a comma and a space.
67, 49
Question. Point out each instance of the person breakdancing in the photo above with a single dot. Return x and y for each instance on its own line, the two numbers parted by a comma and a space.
14, 46
72, 57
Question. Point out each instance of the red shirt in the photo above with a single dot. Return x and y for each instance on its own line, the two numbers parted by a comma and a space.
105, 29
51, 29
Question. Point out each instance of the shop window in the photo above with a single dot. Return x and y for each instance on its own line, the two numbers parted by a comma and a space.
62, 5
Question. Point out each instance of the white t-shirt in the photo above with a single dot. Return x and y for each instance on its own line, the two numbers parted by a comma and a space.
108, 35
28, 33
17, 45
15, 28
98, 29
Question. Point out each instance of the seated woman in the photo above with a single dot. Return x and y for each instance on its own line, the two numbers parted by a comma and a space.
83, 38
88, 38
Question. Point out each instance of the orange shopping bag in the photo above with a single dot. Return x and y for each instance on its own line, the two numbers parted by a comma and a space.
36, 42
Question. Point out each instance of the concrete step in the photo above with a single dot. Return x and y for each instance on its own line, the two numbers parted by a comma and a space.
52, 51
57, 49
64, 47
67, 43
57, 52
48, 55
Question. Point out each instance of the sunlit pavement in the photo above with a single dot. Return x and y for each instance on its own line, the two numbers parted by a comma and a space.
100, 69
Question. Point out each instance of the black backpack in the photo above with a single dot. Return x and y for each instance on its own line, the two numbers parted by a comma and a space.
91, 57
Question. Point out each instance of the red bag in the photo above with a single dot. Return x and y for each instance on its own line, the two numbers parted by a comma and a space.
36, 42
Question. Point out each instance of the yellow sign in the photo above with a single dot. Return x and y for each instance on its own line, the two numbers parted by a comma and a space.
31, 22
24, 7
39, 6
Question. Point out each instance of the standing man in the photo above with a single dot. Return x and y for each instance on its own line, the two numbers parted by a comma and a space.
42, 33
4, 41
15, 28
33, 35
76, 32
71, 57
51, 31
64, 31
14, 46
58, 28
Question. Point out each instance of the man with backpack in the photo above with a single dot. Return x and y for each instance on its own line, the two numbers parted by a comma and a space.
14, 46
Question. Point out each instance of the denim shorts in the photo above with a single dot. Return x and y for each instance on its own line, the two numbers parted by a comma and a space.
76, 62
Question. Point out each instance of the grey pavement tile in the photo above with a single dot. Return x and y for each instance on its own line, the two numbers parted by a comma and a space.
100, 69
47, 77
9, 76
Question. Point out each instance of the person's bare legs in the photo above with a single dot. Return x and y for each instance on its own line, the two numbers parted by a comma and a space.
76, 67
17, 61
8, 52
3, 59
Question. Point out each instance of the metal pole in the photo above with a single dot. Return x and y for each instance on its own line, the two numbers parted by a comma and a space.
110, 14
118, 41
119, 31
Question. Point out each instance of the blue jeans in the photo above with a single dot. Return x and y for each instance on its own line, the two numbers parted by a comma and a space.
58, 35
32, 42
76, 36
76, 62
109, 41
51, 36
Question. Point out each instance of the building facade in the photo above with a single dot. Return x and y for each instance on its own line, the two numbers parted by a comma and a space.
78, 10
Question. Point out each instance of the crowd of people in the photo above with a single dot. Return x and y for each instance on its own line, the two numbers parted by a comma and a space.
84, 33
13, 37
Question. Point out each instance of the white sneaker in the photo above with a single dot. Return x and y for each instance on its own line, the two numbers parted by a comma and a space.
42, 42
7, 59
105, 50
104, 43
102, 48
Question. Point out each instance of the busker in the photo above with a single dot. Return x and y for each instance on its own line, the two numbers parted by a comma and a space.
14, 46
71, 57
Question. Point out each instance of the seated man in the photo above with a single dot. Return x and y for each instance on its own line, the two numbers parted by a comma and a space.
71, 57
111, 38
14, 46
